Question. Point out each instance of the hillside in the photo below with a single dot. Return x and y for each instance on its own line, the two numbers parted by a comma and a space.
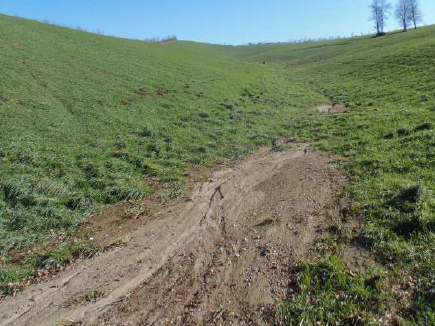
85, 118
89, 121
386, 142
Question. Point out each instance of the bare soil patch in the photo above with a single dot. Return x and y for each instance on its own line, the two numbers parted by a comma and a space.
330, 109
218, 256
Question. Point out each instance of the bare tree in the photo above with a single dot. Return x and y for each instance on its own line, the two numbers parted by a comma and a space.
380, 10
415, 14
402, 13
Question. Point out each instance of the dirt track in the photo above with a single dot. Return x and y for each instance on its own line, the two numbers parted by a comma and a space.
219, 256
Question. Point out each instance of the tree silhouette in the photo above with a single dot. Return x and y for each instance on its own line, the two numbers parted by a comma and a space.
380, 10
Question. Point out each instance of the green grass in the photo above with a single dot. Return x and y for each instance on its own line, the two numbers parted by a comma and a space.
387, 143
85, 119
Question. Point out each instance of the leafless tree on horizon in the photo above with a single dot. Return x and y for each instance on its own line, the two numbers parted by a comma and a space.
402, 13
415, 14
380, 10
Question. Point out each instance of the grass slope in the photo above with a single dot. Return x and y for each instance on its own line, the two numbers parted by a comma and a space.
387, 143
86, 119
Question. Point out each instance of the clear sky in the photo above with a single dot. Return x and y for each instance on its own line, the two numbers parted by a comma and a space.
221, 21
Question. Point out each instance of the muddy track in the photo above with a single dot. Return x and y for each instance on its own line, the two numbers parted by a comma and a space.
219, 256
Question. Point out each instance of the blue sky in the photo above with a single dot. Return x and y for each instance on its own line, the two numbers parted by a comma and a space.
222, 21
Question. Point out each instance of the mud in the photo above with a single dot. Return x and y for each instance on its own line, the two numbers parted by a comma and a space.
218, 256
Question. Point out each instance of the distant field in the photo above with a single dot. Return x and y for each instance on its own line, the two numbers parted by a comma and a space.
86, 120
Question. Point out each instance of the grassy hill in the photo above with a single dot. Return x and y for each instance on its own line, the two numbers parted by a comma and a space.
86, 120
387, 142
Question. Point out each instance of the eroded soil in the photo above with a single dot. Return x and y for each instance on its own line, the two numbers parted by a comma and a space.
330, 109
218, 256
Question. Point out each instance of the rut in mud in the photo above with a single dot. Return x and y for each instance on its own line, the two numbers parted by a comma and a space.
218, 256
